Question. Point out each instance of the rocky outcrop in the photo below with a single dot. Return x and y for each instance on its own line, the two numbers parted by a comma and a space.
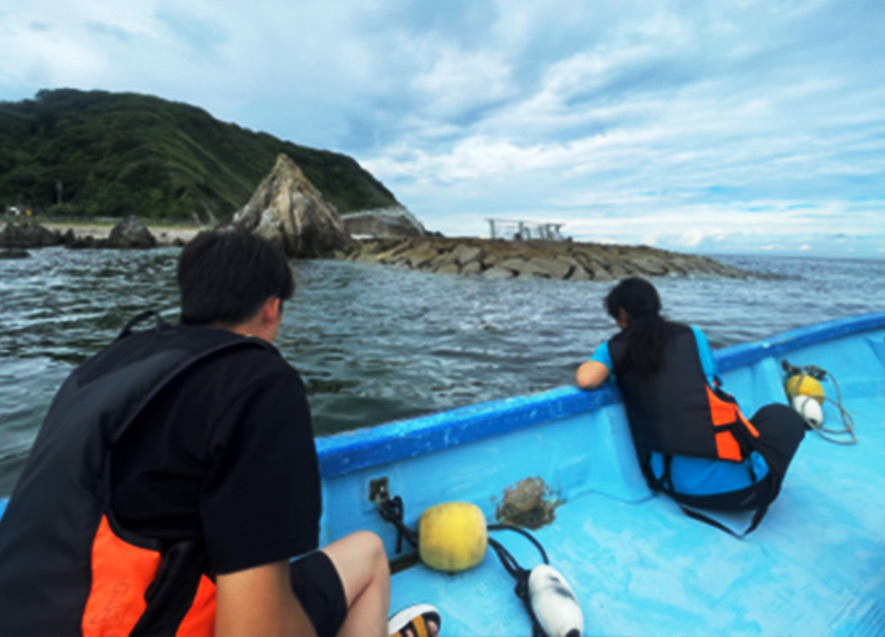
28, 234
289, 211
383, 223
545, 259
131, 233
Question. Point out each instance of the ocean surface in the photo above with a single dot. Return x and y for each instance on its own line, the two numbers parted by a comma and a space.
375, 344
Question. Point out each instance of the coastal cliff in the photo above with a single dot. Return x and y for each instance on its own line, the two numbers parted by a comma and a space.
566, 260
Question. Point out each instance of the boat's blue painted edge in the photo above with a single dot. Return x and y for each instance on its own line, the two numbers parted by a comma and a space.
354, 450
748, 353
362, 448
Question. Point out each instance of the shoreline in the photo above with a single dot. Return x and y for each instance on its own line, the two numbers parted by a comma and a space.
490, 258
165, 234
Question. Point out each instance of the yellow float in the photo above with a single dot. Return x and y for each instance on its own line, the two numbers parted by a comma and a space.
452, 536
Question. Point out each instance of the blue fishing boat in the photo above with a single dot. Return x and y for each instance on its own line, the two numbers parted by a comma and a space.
637, 565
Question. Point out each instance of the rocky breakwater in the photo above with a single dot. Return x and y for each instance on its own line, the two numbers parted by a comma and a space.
546, 259
289, 211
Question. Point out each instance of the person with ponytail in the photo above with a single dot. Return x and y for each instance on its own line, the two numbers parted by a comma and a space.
691, 439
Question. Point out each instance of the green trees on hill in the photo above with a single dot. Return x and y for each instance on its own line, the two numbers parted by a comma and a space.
119, 154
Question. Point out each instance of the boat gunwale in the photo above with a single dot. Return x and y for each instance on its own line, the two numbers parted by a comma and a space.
351, 451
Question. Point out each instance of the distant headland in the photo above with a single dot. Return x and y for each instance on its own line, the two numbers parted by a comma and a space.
120, 170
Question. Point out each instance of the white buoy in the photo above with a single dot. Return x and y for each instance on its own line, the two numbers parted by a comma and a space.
810, 410
554, 603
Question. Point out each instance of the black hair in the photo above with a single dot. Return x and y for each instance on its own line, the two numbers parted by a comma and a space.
225, 276
646, 333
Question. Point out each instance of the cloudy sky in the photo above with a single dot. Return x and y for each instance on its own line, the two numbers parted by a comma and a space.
704, 126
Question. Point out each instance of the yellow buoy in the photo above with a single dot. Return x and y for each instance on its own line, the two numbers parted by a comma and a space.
452, 536
808, 387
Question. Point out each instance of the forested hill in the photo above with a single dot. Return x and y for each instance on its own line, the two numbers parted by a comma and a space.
118, 154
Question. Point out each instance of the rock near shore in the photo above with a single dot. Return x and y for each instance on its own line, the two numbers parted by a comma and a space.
131, 233
28, 234
565, 260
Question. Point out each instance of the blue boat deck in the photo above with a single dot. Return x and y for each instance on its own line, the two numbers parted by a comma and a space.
638, 565
815, 566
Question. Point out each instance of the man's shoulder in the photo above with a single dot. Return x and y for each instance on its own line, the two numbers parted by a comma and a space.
257, 363
231, 370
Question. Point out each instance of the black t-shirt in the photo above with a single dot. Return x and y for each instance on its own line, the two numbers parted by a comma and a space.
224, 455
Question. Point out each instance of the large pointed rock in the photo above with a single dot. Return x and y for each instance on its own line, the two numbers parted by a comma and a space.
289, 211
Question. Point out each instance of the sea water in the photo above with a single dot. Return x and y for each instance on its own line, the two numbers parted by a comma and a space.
375, 343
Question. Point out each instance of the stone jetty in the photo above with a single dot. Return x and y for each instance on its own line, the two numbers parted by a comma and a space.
502, 259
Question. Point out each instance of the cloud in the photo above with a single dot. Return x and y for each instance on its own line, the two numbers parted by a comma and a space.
705, 125
202, 35
102, 29
692, 238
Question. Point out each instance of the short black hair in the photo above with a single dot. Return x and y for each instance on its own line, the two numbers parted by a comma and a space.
225, 276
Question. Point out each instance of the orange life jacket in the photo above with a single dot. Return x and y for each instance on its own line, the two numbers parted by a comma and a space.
66, 566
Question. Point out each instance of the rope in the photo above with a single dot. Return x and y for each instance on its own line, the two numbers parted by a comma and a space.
392, 511
524, 533
521, 575
819, 374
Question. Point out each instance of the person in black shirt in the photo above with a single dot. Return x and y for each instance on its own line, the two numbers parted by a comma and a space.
176, 475
227, 456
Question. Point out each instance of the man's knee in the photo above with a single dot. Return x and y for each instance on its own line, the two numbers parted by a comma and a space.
370, 545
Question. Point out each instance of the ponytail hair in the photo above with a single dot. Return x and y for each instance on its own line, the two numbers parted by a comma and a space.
646, 333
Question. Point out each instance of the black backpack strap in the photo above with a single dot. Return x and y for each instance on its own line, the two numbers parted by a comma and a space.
138, 318
666, 485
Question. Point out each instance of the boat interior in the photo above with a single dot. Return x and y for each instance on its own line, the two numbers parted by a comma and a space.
637, 564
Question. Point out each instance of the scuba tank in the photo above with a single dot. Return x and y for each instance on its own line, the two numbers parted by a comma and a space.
554, 603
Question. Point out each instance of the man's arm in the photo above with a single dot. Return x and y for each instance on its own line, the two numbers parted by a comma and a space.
259, 601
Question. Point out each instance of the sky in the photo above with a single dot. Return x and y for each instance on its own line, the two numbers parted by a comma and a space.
700, 126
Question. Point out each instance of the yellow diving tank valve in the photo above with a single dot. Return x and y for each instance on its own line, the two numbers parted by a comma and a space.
452, 536
804, 385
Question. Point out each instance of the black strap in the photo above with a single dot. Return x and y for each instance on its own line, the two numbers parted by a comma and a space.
666, 485
138, 318
518, 573
757, 518
392, 510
